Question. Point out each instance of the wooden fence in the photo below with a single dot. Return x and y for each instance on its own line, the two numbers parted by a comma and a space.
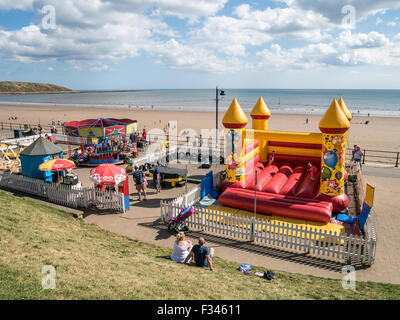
349, 249
65, 195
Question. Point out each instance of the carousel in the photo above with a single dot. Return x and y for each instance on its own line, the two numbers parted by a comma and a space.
103, 140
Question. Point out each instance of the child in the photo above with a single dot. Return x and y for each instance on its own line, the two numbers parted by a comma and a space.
312, 170
271, 158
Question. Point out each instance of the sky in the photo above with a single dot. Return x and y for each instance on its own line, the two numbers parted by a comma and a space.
173, 44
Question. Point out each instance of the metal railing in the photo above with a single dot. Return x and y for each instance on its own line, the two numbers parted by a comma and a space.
28, 126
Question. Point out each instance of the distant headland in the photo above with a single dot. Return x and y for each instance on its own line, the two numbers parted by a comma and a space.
14, 87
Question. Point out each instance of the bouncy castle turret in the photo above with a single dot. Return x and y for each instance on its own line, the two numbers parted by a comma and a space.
234, 122
345, 109
260, 115
334, 126
348, 116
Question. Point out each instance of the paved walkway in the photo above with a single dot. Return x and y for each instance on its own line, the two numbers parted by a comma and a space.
142, 222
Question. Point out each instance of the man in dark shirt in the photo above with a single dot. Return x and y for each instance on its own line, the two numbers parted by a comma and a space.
140, 181
201, 255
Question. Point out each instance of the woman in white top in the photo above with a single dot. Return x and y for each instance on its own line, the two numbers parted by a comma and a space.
182, 248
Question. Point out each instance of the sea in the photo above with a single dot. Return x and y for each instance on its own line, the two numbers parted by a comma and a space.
375, 103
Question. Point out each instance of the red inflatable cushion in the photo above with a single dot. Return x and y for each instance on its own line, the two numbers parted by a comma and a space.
270, 204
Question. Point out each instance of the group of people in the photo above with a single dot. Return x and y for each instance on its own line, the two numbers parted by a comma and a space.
184, 252
141, 182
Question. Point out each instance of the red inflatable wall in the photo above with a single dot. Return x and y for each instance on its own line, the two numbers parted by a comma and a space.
270, 204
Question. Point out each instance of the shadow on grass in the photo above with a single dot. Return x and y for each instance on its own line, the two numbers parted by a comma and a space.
302, 258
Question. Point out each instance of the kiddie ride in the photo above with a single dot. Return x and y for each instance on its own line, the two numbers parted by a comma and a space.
306, 178
107, 140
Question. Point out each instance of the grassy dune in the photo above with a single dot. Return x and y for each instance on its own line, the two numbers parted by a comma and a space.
95, 264
13, 87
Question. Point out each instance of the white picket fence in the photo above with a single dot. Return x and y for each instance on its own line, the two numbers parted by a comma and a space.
63, 194
350, 249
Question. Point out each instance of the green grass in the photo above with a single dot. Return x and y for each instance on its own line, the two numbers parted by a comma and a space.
29, 87
95, 264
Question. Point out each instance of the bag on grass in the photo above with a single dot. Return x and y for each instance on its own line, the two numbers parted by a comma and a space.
245, 267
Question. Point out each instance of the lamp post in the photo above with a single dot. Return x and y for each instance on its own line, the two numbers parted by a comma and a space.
217, 94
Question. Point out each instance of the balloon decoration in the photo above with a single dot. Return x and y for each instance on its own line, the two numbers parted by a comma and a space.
330, 159
332, 169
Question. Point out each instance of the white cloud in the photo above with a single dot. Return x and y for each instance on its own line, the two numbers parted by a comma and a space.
333, 9
232, 35
110, 31
13, 4
379, 21
363, 40
50, 68
176, 55
392, 24
347, 49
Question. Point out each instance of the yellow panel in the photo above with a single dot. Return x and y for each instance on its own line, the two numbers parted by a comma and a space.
297, 151
369, 195
285, 136
251, 154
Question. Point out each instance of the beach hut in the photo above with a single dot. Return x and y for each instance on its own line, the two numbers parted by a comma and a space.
35, 154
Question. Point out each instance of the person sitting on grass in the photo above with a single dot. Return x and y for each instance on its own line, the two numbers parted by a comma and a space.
182, 248
201, 255
140, 182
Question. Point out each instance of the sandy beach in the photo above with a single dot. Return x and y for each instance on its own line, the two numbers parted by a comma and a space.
378, 134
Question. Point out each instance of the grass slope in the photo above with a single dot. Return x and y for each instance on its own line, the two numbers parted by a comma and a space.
95, 264
29, 87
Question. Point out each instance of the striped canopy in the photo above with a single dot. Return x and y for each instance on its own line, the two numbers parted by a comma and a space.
57, 165
100, 127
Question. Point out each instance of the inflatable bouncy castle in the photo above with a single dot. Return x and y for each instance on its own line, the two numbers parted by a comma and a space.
298, 175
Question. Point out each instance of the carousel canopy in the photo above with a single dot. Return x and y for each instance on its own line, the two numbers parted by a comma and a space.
100, 127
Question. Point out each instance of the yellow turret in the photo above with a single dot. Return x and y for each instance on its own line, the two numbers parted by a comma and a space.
260, 115
334, 120
345, 109
234, 117
334, 126
234, 121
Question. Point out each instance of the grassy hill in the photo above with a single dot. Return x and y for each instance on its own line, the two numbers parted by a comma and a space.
95, 264
12, 87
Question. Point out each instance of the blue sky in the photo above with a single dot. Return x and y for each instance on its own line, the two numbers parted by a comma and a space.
136, 44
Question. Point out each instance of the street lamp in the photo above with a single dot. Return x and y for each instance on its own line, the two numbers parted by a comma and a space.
218, 93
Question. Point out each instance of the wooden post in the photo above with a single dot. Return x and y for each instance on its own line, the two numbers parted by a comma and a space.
253, 231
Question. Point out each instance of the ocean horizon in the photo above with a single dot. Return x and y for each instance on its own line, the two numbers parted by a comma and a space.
362, 102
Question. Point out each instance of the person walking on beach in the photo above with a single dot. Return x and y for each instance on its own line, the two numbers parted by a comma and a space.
140, 182
157, 178
201, 255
